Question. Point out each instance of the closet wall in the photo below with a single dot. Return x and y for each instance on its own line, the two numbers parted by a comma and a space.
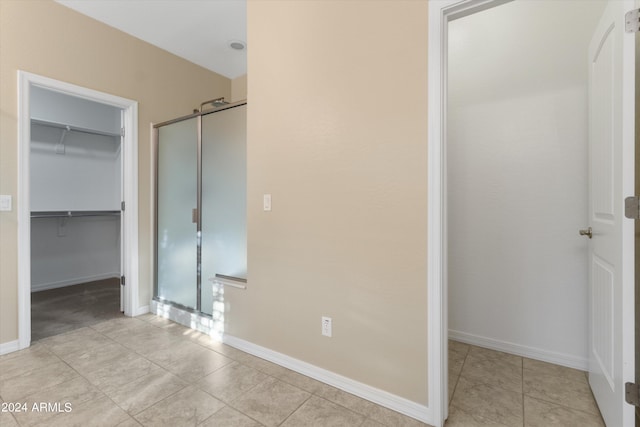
75, 166
517, 174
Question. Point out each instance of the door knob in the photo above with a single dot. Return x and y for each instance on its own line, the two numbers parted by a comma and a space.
586, 232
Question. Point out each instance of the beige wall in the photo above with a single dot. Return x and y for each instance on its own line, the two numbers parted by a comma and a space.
337, 134
48, 39
239, 88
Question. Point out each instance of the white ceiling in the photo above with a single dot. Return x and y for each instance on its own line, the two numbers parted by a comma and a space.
196, 30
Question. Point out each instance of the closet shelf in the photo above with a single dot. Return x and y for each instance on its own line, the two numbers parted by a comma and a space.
72, 214
73, 128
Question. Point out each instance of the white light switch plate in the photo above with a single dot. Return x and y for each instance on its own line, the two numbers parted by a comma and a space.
266, 202
5, 203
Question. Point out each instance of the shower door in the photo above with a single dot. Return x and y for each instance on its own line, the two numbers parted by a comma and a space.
176, 219
201, 209
224, 206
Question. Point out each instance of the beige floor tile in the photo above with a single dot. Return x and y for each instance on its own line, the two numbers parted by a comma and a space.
348, 400
215, 345
93, 359
261, 365
462, 418
176, 350
15, 388
457, 354
271, 402
82, 339
75, 392
453, 381
370, 423
129, 422
112, 377
229, 417
155, 319
544, 414
146, 341
480, 367
486, 353
560, 390
20, 362
545, 368
458, 347
318, 412
120, 325
188, 407
198, 364
189, 361
192, 335
6, 418
230, 381
489, 402
136, 396
301, 381
391, 418
100, 412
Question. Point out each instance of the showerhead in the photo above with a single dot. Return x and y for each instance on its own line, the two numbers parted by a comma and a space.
216, 103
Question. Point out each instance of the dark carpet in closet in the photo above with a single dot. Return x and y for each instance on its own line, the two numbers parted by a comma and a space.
61, 310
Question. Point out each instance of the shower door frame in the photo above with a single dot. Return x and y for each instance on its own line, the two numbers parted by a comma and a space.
198, 266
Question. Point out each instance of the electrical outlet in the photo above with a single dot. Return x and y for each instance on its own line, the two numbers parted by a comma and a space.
5, 202
326, 326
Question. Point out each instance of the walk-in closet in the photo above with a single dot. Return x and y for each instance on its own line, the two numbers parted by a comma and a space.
75, 201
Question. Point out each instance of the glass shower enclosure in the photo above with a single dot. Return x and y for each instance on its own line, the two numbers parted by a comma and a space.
200, 209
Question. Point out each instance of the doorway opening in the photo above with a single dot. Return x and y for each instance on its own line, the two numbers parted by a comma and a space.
614, 72
77, 207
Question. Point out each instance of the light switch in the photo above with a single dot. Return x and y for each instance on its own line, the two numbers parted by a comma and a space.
266, 202
5, 202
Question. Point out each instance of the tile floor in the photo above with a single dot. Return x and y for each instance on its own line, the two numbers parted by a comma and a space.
489, 388
60, 310
152, 372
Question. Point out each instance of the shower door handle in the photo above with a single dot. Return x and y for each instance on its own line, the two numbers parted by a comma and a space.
194, 215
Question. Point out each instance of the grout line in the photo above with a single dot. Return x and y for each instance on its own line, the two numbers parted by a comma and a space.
296, 410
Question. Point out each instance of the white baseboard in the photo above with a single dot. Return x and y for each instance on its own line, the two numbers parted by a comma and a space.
9, 347
375, 395
207, 325
36, 287
561, 359
141, 310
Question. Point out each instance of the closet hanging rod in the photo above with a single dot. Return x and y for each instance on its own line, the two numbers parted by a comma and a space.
72, 214
74, 128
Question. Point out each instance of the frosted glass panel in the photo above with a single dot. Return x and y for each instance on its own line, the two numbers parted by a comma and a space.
224, 194
177, 196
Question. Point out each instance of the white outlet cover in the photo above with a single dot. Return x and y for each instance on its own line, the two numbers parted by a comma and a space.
326, 326
5, 203
266, 202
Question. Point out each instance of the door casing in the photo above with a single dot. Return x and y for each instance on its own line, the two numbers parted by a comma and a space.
130, 193
440, 13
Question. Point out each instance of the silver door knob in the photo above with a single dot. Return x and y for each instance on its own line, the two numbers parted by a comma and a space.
586, 232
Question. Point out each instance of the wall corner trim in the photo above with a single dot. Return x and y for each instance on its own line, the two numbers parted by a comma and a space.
381, 397
141, 310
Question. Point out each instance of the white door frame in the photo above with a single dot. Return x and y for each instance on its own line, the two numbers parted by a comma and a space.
129, 176
440, 13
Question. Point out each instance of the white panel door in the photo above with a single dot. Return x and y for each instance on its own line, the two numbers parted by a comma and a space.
611, 139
